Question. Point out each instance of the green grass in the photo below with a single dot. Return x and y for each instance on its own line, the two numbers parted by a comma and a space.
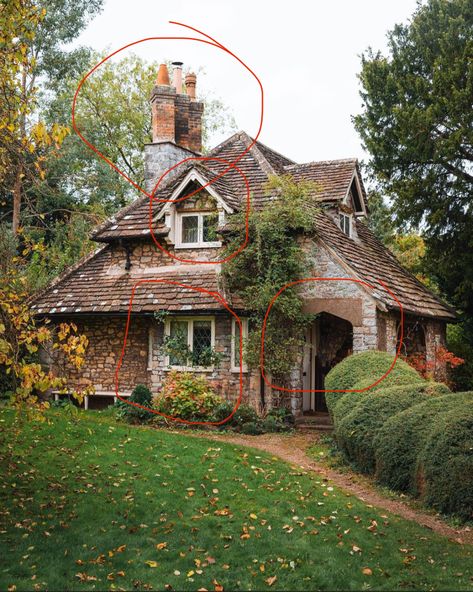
87, 498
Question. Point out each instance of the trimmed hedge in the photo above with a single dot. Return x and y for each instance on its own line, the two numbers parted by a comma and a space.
445, 466
367, 367
403, 436
356, 432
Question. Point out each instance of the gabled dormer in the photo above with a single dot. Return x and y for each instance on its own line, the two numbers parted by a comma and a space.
194, 221
351, 207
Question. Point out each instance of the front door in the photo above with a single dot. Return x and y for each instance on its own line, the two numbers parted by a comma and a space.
313, 376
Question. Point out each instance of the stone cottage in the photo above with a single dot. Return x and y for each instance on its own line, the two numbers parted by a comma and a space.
352, 316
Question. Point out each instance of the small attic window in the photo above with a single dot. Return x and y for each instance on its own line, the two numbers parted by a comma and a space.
345, 223
355, 196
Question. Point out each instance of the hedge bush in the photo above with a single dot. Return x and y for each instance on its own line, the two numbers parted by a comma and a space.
356, 432
403, 436
445, 465
367, 367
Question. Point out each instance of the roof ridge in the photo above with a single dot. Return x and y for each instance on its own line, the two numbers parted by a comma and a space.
354, 160
254, 150
276, 152
67, 272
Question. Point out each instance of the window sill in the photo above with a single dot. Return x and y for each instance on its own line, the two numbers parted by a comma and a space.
198, 245
188, 369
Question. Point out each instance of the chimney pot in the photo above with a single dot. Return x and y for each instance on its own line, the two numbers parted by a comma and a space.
191, 81
177, 77
163, 76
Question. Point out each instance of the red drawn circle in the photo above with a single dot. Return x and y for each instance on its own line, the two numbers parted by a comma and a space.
329, 279
209, 41
222, 301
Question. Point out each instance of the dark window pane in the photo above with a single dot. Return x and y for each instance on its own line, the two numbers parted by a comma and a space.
210, 227
190, 226
179, 341
202, 342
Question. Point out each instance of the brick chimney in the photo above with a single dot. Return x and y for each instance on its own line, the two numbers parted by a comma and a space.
176, 117
176, 123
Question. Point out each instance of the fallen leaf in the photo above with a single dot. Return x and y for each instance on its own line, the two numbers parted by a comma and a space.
152, 563
356, 549
83, 577
366, 571
161, 546
270, 581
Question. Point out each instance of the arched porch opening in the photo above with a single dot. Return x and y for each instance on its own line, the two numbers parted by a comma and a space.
328, 341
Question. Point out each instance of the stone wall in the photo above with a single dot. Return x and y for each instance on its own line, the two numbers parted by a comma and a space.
365, 335
146, 256
142, 365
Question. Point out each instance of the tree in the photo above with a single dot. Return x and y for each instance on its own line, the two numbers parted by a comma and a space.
113, 113
417, 125
22, 337
33, 53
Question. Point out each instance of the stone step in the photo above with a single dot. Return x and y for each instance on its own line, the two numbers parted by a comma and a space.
314, 427
314, 419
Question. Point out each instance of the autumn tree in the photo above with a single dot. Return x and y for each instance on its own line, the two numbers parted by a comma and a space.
33, 56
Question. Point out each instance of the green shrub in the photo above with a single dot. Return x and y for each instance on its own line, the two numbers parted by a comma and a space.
277, 419
367, 367
403, 436
187, 396
356, 432
282, 415
221, 412
445, 466
252, 428
140, 395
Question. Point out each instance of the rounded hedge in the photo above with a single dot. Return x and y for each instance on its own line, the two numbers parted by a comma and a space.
356, 432
403, 436
445, 466
367, 367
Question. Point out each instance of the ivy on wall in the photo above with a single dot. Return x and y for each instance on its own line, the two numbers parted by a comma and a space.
273, 257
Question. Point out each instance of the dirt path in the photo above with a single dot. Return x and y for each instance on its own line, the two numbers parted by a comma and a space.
292, 448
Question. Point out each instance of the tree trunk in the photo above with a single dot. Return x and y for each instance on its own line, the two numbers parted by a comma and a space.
17, 199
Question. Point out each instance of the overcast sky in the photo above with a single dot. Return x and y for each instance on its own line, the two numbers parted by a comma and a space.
306, 54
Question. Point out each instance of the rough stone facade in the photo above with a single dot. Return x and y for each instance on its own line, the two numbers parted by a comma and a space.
144, 359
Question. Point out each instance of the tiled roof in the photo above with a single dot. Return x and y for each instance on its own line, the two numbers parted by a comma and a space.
331, 177
96, 287
371, 261
91, 286
133, 221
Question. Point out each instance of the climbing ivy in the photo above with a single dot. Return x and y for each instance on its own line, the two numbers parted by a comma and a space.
273, 257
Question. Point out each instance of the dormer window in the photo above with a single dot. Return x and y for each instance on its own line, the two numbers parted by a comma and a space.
197, 229
345, 223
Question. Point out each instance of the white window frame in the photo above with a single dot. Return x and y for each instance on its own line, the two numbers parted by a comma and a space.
235, 337
190, 340
200, 231
151, 334
347, 217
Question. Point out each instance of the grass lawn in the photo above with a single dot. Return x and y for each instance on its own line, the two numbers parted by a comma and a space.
88, 504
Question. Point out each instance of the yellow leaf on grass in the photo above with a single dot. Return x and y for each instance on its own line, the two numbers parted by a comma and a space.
270, 581
152, 563
161, 546
366, 571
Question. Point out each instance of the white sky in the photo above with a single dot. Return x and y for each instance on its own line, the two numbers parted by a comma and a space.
306, 54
